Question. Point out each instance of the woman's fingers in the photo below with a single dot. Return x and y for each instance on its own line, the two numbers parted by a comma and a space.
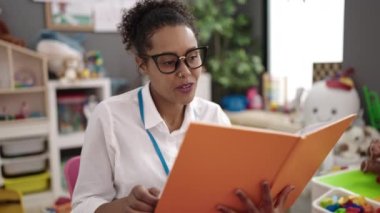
248, 203
143, 199
267, 201
283, 195
225, 209
154, 191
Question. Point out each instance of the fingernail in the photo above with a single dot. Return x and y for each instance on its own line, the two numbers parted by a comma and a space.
238, 192
218, 207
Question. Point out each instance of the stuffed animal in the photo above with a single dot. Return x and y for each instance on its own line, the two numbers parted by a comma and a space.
71, 69
6, 36
58, 48
329, 100
372, 164
349, 143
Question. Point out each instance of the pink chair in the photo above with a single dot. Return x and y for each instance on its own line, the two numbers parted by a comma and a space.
71, 173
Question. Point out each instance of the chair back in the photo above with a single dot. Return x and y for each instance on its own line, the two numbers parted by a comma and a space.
71, 170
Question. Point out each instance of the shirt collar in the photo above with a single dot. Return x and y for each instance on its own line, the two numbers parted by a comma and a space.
153, 117
151, 114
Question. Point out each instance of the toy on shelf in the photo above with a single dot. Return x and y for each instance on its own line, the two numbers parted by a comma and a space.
353, 145
58, 48
4, 114
24, 78
94, 64
372, 164
70, 113
329, 100
6, 36
71, 68
254, 99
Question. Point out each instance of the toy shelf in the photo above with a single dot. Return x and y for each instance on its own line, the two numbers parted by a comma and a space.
23, 116
67, 121
23, 93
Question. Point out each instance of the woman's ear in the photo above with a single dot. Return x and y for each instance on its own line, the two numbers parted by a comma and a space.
141, 64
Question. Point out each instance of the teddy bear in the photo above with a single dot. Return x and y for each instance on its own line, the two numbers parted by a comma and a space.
6, 36
71, 69
372, 164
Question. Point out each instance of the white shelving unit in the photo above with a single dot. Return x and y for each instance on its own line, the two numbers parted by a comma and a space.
59, 141
23, 109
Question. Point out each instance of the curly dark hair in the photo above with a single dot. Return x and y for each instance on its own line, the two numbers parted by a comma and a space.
140, 22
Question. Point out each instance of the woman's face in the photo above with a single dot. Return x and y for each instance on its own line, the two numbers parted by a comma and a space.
177, 88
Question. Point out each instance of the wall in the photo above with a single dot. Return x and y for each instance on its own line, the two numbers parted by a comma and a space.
362, 41
25, 19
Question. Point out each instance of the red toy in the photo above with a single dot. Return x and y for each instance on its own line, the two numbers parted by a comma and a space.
6, 36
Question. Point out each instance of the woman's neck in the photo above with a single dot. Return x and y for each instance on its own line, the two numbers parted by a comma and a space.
172, 114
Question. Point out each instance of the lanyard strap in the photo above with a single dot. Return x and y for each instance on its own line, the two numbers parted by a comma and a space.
154, 142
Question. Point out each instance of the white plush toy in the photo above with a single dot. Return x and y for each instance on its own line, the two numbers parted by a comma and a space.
329, 100
324, 104
71, 69
57, 52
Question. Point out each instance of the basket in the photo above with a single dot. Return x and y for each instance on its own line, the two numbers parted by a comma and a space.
28, 184
317, 208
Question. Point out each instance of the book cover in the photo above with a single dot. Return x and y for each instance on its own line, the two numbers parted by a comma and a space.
215, 160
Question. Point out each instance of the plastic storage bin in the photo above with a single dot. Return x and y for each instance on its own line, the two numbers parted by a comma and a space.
28, 184
352, 180
317, 208
24, 166
23, 147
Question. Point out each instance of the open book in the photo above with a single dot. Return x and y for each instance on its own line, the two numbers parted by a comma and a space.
214, 160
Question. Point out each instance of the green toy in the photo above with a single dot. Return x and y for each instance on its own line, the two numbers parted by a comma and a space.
372, 102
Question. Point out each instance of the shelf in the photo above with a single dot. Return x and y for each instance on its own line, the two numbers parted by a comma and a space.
24, 128
79, 84
43, 156
22, 90
68, 141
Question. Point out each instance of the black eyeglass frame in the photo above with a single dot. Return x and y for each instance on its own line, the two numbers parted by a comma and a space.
179, 58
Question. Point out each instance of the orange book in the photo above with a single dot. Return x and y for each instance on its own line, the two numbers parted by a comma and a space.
215, 160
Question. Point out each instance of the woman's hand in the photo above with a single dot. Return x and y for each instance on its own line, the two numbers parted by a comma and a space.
267, 205
140, 199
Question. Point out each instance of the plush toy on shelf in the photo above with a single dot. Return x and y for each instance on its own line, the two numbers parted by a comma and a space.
71, 68
353, 144
372, 164
329, 100
60, 51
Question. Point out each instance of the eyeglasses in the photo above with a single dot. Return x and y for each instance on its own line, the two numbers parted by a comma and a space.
168, 63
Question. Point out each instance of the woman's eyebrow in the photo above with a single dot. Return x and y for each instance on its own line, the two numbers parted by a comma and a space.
168, 52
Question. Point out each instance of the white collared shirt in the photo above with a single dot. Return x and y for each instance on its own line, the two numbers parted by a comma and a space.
117, 153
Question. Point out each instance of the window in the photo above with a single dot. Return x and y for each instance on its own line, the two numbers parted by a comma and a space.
302, 32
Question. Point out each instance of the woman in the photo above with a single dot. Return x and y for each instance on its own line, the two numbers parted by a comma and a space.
132, 139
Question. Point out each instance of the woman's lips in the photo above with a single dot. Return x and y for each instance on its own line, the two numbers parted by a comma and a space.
185, 88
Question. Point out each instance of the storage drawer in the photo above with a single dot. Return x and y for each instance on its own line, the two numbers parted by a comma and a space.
23, 147
24, 166
28, 184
